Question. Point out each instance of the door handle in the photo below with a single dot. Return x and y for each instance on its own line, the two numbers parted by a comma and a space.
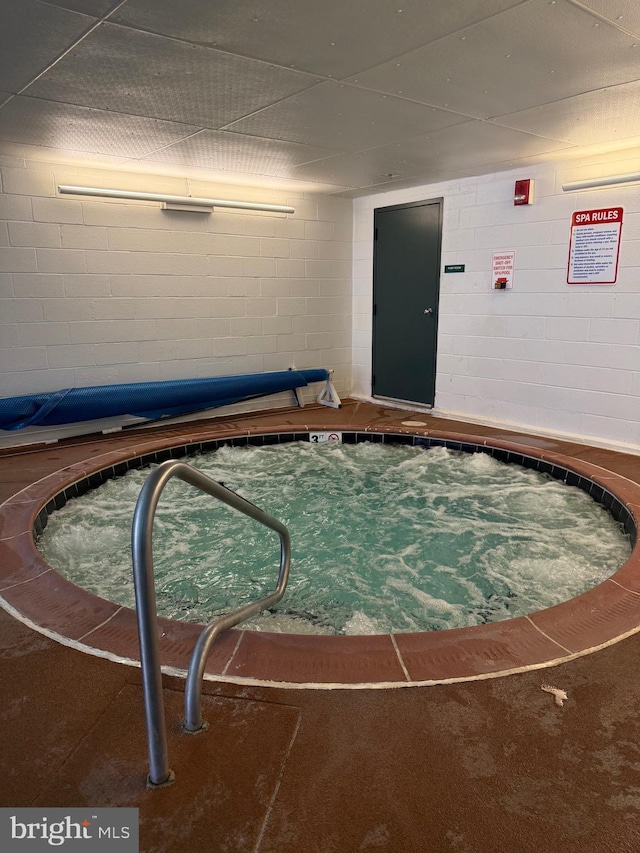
428, 310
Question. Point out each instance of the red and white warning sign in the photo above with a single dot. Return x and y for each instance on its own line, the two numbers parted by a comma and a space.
502, 270
595, 246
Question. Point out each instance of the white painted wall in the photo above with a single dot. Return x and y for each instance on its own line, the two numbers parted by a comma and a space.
99, 292
546, 356
95, 292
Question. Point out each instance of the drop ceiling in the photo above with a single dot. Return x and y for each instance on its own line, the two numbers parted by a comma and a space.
345, 96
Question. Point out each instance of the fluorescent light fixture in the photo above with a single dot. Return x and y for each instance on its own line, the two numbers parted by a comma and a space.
176, 202
597, 183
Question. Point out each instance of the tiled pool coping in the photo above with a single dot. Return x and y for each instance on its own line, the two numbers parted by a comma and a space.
37, 594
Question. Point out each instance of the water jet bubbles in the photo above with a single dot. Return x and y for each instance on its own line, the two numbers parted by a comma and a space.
399, 513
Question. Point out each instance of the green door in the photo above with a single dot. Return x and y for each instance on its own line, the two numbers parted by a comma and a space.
406, 285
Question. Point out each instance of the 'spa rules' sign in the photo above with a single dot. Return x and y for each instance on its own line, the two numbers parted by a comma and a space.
594, 247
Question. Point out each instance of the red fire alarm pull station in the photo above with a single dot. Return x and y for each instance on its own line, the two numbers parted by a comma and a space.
524, 192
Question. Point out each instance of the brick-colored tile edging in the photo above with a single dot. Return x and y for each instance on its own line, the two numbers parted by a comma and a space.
35, 593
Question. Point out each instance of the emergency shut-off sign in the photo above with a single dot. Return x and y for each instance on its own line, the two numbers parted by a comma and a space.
595, 246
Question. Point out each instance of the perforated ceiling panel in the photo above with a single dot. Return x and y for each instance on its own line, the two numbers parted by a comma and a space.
365, 168
532, 54
154, 76
218, 149
88, 7
82, 129
352, 95
611, 115
330, 37
31, 36
473, 145
344, 118
622, 13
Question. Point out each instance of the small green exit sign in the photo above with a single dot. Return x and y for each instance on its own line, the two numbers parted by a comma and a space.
454, 268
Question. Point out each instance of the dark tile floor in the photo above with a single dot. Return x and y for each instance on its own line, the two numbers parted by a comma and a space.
486, 765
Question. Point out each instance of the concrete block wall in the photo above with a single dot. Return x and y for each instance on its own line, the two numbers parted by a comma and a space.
94, 292
545, 355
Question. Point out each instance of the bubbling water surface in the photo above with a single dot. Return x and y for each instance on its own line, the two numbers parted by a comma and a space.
385, 538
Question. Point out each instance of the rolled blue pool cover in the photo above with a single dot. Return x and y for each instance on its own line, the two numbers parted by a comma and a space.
150, 400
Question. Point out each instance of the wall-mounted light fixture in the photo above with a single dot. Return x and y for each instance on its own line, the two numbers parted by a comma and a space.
598, 183
176, 202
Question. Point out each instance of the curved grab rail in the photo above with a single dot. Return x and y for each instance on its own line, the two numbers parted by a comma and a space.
144, 582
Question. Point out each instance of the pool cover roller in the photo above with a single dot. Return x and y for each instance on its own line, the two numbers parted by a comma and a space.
150, 400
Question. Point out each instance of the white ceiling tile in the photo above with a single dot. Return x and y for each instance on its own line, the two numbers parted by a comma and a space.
87, 7
116, 68
385, 187
356, 169
622, 13
344, 118
596, 117
468, 146
628, 157
63, 126
31, 36
558, 78
329, 37
223, 150
533, 54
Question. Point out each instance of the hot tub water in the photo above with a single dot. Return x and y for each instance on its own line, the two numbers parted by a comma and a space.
384, 538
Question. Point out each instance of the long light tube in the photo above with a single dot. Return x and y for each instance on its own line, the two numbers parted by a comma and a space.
181, 202
595, 183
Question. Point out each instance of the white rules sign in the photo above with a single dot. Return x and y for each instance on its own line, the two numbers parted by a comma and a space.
594, 247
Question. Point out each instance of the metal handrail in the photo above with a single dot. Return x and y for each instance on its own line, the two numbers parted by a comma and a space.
143, 575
